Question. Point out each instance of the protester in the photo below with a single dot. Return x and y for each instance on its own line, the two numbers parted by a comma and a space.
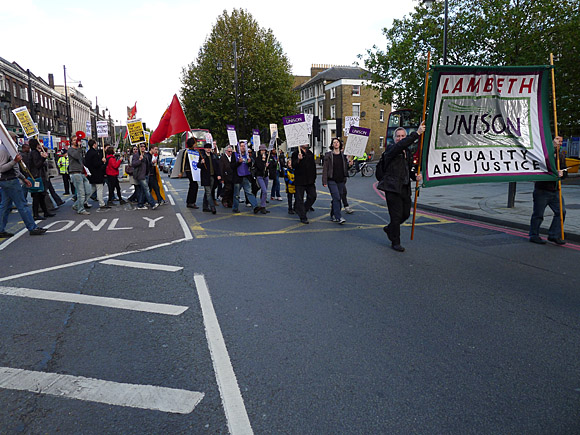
95, 163
130, 170
79, 180
152, 156
290, 187
546, 195
141, 170
186, 170
227, 173
262, 172
347, 208
38, 170
113, 162
274, 175
11, 193
210, 174
62, 164
396, 163
334, 173
241, 179
305, 178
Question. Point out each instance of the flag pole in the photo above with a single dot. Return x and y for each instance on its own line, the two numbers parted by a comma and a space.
421, 144
558, 150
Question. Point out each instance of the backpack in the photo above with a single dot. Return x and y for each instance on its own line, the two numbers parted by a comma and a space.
381, 166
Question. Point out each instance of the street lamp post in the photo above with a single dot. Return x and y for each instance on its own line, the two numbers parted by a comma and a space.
68, 117
429, 3
235, 66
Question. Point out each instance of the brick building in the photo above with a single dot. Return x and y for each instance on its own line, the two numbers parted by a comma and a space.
333, 92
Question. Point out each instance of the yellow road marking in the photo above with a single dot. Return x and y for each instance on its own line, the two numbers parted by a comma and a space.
196, 228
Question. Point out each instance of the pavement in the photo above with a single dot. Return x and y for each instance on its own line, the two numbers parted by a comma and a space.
487, 202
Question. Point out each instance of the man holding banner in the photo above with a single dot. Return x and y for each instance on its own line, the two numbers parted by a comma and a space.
394, 170
546, 195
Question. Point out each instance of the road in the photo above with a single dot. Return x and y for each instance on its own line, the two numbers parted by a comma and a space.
179, 321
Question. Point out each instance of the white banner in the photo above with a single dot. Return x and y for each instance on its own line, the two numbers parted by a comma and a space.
193, 157
102, 129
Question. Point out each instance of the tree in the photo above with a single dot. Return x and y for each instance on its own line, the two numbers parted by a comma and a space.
492, 32
264, 78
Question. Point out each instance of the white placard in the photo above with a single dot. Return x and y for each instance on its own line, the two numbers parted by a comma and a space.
232, 135
7, 141
350, 121
296, 131
193, 157
309, 120
102, 129
356, 142
88, 130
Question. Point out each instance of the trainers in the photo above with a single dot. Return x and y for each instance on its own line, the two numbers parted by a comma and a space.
248, 204
348, 210
257, 209
84, 212
192, 206
5, 235
333, 219
155, 206
304, 221
557, 240
279, 198
142, 207
341, 221
538, 240
37, 231
87, 205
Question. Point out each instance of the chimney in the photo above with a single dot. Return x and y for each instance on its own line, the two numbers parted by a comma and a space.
51, 80
317, 68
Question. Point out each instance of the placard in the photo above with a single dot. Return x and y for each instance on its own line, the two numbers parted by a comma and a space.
193, 157
256, 139
102, 129
296, 130
25, 121
350, 121
6, 139
88, 130
309, 120
273, 140
136, 132
356, 142
232, 135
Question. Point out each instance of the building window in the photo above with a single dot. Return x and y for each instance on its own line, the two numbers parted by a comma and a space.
382, 115
332, 112
356, 90
356, 109
321, 111
14, 91
381, 142
333, 93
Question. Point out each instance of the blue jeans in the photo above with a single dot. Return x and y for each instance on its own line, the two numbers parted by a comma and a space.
543, 198
336, 191
263, 183
11, 193
275, 186
245, 184
144, 194
83, 190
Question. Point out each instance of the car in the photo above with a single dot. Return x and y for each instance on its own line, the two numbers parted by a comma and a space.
163, 163
168, 162
170, 167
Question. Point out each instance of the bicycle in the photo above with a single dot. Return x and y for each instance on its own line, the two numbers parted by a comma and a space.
365, 170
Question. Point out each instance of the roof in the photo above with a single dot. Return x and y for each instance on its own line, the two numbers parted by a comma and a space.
339, 72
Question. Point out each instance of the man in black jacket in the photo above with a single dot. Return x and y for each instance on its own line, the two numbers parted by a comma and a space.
95, 163
304, 180
396, 162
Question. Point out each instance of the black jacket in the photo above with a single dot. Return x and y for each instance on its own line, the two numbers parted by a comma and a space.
227, 168
397, 162
36, 165
94, 163
328, 167
552, 186
305, 169
205, 168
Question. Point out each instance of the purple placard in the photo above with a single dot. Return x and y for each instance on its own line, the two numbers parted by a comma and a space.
256, 132
289, 120
359, 130
231, 127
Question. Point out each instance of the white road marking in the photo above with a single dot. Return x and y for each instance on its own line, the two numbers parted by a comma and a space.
113, 226
138, 265
12, 239
184, 227
89, 260
90, 224
123, 304
237, 417
171, 201
152, 221
97, 390
66, 226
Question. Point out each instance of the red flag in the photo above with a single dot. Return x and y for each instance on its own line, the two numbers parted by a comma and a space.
131, 112
172, 122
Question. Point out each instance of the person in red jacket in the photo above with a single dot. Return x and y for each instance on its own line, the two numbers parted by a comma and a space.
112, 173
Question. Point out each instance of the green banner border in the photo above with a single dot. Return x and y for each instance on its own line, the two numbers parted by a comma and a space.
543, 70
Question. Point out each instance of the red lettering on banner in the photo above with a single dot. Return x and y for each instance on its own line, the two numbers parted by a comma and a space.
488, 85
499, 84
445, 90
458, 87
528, 86
473, 86
512, 82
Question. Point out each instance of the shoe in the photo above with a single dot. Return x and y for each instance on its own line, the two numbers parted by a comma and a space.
248, 204
279, 198
348, 210
398, 248
273, 198
304, 221
88, 205
342, 221
310, 209
333, 219
267, 202
142, 207
192, 206
47, 215
235, 210
60, 203
155, 206
213, 210
39, 218
37, 231
538, 240
386, 230
84, 212
290, 211
257, 209
110, 204
207, 210
557, 240
5, 235
122, 202
264, 211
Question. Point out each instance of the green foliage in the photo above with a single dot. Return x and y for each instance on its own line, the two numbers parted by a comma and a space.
490, 32
264, 79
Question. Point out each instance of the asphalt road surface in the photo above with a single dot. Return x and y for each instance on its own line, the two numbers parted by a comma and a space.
179, 321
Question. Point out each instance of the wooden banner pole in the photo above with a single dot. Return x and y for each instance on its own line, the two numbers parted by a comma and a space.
558, 150
421, 144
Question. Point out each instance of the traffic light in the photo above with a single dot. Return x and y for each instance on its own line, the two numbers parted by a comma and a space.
316, 127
